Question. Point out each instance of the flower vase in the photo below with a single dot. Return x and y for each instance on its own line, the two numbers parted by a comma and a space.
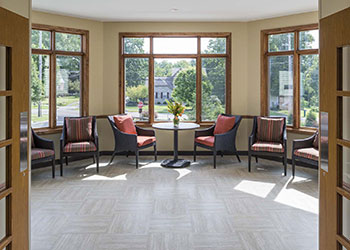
176, 121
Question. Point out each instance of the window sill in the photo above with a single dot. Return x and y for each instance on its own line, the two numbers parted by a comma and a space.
304, 131
48, 131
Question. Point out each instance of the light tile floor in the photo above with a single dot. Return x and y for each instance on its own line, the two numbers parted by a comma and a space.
195, 208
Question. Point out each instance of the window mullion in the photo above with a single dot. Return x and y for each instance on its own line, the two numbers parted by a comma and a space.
151, 89
296, 83
198, 83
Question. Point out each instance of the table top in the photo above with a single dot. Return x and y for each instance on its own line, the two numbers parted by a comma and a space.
170, 126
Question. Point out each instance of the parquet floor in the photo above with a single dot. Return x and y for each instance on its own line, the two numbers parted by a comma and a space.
195, 208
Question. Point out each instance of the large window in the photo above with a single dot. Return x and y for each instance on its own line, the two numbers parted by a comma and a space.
193, 69
59, 77
290, 75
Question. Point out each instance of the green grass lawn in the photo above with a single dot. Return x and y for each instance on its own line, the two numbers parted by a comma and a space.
157, 108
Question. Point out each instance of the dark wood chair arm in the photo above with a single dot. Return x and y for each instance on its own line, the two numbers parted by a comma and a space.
252, 137
95, 132
303, 143
42, 142
144, 132
204, 132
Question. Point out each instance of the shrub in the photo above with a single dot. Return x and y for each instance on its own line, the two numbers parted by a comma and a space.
311, 120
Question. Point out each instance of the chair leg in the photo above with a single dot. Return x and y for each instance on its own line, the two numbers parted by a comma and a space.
293, 166
93, 160
111, 160
53, 167
155, 152
249, 161
214, 154
61, 165
97, 162
256, 159
239, 159
137, 158
285, 165
66, 160
222, 154
127, 154
194, 152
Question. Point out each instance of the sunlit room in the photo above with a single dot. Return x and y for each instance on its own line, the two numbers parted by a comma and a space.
162, 125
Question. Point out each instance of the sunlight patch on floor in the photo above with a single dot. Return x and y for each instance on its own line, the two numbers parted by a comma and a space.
97, 177
257, 188
182, 172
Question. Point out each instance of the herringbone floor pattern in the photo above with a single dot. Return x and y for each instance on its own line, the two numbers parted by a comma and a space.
195, 208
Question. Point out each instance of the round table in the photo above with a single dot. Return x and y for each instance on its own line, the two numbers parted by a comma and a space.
175, 163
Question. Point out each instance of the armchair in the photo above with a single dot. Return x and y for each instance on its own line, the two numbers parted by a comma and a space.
42, 150
79, 138
219, 141
131, 138
268, 138
305, 150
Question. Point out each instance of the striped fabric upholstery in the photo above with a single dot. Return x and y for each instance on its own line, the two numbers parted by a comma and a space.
79, 129
315, 142
39, 153
76, 147
308, 153
270, 129
268, 147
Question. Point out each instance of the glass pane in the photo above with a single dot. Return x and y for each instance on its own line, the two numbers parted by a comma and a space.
174, 45
213, 88
281, 87
346, 168
68, 76
346, 218
346, 69
136, 88
174, 80
309, 100
346, 118
41, 39
68, 42
308, 39
138, 45
281, 42
2, 218
3, 118
3, 160
213, 45
3, 68
40, 90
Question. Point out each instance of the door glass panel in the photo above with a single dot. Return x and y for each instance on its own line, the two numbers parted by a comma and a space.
2, 218
309, 101
3, 68
281, 42
281, 87
211, 45
172, 45
346, 68
139, 45
174, 80
40, 88
346, 218
3, 118
68, 42
68, 75
346, 168
3, 161
213, 88
136, 88
346, 118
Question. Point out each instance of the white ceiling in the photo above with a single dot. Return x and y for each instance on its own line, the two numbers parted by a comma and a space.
188, 10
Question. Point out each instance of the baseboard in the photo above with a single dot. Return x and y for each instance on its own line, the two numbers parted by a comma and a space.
170, 153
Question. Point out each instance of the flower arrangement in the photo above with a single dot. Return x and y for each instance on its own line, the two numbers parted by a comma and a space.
177, 109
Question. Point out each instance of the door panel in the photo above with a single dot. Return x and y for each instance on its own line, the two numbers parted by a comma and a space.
14, 99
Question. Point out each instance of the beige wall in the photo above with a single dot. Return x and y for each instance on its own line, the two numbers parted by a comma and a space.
20, 7
329, 7
104, 67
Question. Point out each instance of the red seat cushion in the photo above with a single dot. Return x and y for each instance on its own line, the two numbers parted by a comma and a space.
268, 147
206, 140
79, 129
39, 153
125, 124
144, 140
308, 153
270, 129
85, 146
224, 124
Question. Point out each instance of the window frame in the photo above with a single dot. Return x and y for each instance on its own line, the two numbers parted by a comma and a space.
296, 53
198, 56
53, 53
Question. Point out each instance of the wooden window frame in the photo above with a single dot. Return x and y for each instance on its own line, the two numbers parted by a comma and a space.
198, 56
296, 53
53, 53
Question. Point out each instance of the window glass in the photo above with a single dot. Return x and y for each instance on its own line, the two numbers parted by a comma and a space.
41, 39
3, 166
213, 88
68, 76
213, 45
178, 78
172, 45
40, 87
308, 39
137, 45
281, 42
3, 118
136, 88
281, 87
68, 42
3, 219
309, 96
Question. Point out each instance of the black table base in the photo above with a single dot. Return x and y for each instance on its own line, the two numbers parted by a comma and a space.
172, 163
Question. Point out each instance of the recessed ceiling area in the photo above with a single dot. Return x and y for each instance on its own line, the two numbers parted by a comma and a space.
179, 10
